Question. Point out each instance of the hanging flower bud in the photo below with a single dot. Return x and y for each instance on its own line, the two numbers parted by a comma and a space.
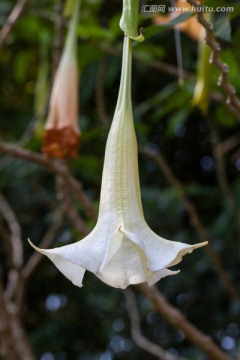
203, 78
62, 133
121, 249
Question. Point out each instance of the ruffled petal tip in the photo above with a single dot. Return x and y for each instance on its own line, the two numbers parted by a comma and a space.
72, 271
186, 251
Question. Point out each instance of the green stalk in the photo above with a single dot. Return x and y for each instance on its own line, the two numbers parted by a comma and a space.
70, 44
129, 20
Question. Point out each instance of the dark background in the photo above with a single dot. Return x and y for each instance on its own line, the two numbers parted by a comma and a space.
63, 321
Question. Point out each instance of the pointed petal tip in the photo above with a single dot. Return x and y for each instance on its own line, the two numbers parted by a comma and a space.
196, 246
77, 283
36, 248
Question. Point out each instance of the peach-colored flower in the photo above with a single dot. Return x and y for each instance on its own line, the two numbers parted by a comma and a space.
191, 26
62, 132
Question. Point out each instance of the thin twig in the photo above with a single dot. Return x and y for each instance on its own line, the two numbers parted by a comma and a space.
59, 28
25, 137
15, 229
67, 203
55, 167
223, 81
228, 144
7, 350
178, 320
172, 71
138, 338
157, 64
12, 20
44, 195
5, 235
222, 177
13, 284
195, 220
21, 342
34, 260
14, 341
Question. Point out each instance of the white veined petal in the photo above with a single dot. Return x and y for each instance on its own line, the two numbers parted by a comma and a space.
72, 271
160, 253
156, 276
89, 253
114, 246
125, 267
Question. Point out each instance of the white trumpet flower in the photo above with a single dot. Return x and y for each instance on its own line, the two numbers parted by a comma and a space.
121, 249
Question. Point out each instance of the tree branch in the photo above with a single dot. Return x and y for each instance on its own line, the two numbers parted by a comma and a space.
137, 337
228, 144
222, 177
54, 166
195, 220
7, 350
12, 20
21, 343
173, 71
156, 64
178, 320
223, 81
16, 243
67, 204
5, 235
35, 259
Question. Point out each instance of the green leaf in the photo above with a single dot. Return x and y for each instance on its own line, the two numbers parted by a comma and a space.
93, 31
22, 65
148, 52
224, 117
114, 25
88, 53
177, 118
222, 27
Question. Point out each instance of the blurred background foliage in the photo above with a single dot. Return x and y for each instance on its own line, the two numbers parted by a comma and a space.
67, 323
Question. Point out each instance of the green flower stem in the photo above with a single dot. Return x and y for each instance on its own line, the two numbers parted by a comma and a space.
70, 44
129, 20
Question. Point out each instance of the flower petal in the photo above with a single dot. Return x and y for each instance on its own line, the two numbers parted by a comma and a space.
72, 271
127, 264
114, 246
89, 253
156, 276
125, 267
161, 253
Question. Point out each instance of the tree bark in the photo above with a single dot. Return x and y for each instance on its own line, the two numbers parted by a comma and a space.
178, 320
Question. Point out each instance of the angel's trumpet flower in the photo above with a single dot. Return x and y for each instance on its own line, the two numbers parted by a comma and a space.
191, 26
121, 249
61, 138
